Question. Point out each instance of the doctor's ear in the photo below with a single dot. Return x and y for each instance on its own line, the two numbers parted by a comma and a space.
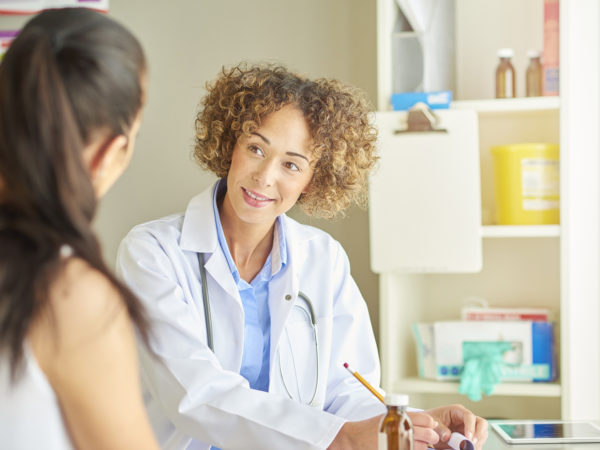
308, 187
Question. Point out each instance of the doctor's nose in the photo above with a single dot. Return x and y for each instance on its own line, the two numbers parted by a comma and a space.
265, 173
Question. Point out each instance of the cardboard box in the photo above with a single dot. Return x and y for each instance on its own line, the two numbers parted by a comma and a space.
479, 313
531, 358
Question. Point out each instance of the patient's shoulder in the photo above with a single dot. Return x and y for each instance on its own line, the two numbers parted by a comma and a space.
83, 291
83, 306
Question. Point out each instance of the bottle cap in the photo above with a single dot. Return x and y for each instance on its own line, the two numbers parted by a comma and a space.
458, 441
396, 399
505, 52
533, 53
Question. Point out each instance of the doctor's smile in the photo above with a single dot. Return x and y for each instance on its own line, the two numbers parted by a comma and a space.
255, 199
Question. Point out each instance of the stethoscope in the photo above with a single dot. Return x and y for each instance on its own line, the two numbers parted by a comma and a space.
309, 312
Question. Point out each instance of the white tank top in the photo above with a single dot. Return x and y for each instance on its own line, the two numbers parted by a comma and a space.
30, 416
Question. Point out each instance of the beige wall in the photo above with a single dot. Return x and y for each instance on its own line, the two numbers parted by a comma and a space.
187, 42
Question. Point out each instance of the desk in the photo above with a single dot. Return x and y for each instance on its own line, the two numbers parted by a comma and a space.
495, 442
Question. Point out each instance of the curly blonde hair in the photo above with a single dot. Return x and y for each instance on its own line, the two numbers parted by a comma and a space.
338, 118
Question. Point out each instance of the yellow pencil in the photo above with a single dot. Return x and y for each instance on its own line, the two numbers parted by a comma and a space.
365, 383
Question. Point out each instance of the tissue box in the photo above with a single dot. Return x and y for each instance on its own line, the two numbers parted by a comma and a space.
440, 346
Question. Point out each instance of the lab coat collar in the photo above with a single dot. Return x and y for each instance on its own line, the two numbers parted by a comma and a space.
199, 235
198, 219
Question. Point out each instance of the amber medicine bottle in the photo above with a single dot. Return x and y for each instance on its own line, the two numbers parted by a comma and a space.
396, 430
533, 86
505, 74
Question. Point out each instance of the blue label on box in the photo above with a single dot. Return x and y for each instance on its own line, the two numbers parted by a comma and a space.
508, 372
434, 100
542, 348
534, 371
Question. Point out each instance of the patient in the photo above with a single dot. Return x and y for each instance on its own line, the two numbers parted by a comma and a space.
71, 94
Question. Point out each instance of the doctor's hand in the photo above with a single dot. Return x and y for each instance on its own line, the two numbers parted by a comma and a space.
458, 418
363, 434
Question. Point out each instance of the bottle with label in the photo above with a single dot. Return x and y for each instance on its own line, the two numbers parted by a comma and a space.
533, 87
505, 74
396, 430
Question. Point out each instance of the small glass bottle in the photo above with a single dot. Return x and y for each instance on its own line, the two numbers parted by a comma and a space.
396, 430
534, 74
505, 74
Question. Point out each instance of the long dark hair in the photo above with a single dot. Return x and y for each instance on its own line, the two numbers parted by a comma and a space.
70, 74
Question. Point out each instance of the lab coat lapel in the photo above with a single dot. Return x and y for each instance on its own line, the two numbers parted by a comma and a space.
283, 291
199, 235
282, 295
227, 311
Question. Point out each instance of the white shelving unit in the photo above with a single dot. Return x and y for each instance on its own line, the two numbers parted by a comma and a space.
553, 266
498, 106
520, 231
419, 385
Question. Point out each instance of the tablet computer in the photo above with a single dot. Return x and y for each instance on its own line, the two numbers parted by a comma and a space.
546, 431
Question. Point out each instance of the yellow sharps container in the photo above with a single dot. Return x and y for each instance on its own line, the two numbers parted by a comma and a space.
526, 178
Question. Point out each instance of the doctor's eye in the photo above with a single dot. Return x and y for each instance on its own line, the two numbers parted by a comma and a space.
255, 149
292, 166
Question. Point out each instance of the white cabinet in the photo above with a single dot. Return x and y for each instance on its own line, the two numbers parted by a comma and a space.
551, 266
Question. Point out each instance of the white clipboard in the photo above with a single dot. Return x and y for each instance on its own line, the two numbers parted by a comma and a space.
424, 198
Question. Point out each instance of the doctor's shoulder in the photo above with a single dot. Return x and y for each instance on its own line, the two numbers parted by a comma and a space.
149, 249
163, 231
314, 241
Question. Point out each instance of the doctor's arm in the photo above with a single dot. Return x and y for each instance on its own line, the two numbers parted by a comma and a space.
354, 342
200, 397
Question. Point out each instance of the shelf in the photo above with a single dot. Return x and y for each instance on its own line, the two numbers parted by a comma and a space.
520, 231
419, 385
509, 105
405, 34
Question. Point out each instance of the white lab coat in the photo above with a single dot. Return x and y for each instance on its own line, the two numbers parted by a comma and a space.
194, 395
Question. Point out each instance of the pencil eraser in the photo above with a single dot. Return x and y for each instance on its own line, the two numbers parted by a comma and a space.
458, 442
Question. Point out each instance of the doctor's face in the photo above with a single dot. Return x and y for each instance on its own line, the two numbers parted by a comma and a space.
270, 169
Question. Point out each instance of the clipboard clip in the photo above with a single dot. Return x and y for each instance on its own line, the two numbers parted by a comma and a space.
421, 119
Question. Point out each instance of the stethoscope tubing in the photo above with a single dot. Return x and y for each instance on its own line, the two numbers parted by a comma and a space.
207, 314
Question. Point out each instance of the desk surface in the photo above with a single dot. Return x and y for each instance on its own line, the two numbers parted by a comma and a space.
495, 442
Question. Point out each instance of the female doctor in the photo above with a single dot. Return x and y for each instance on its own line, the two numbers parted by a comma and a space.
253, 313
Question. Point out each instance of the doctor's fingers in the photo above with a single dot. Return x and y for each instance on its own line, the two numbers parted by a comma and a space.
423, 429
473, 427
458, 418
481, 433
425, 436
422, 419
